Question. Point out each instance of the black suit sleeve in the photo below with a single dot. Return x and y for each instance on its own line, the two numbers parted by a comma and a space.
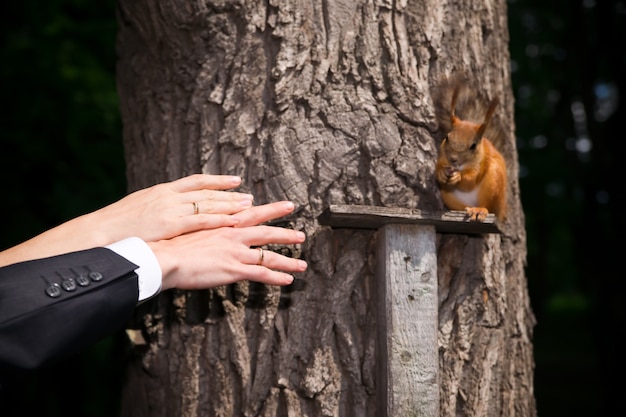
51, 308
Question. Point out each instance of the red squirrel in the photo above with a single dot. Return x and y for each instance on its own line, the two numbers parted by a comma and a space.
470, 171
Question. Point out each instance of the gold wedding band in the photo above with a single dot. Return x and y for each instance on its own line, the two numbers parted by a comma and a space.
260, 262
196, 208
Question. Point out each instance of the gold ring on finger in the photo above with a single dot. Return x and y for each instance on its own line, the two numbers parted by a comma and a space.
261, 255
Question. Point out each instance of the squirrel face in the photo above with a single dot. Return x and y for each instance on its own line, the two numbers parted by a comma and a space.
462, 145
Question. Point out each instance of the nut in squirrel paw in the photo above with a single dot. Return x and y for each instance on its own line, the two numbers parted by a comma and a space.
453, 175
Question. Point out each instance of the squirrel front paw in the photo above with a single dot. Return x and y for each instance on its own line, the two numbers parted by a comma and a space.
453, 176
478, 214
448, 175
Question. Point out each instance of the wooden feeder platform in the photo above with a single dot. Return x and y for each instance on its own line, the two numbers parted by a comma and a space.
407, 305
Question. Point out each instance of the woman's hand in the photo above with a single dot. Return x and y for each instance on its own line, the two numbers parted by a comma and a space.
159, 212
210, 258
170, 209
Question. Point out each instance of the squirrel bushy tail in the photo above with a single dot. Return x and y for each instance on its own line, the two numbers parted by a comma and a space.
471, 105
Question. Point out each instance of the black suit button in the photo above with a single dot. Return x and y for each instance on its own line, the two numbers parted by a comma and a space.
69, 284
95, 276
83, 280
53, 290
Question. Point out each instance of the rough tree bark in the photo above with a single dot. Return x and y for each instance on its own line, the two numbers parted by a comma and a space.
319, 103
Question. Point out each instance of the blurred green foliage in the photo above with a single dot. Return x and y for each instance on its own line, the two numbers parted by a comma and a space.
568, 66
61, 155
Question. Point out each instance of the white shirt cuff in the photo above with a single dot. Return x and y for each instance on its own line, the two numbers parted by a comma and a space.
149, 272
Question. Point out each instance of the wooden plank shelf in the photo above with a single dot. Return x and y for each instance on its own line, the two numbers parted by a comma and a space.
373, 217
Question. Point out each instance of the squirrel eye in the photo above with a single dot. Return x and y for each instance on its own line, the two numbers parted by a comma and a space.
473, 147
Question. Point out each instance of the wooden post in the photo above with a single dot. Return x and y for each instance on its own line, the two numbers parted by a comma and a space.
408, 358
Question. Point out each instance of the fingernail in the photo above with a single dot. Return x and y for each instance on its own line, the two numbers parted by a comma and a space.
235, 180
302, 265
300, 235
289, 205
246, 200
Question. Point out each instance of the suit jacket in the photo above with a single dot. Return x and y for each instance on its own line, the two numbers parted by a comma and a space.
53, 307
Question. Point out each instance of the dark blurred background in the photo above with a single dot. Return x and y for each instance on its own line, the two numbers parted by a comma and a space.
61, 156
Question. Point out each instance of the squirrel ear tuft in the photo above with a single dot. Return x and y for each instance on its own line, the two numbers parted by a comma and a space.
455, 95
488, 115
490, 110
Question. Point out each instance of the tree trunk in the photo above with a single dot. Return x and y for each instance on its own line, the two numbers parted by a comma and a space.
319, 103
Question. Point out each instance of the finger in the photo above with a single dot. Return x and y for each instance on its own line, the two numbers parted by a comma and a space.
222, 202
217, 207
216, 195
266, 276
203, 221
270, 276
205, 181
261, 214
272, 260
267, 235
